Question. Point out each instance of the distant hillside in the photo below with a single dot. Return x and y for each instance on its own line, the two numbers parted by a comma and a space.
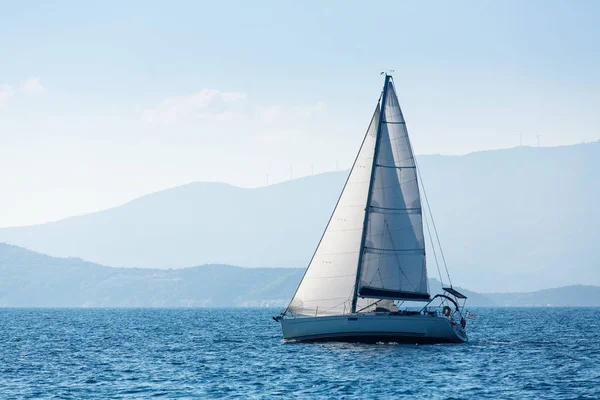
198, 223
30, 279
576, 295
515, 220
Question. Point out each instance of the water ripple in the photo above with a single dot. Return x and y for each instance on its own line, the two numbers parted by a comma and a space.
536, 353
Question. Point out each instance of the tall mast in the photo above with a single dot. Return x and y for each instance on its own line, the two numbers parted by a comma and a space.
370, 191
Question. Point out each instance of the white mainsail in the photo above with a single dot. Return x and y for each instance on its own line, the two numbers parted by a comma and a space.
393, 263
381, 193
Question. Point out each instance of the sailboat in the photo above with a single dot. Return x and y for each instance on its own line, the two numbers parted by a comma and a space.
371, 259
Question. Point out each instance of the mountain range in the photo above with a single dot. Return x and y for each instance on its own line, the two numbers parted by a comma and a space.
30, 279
514, 220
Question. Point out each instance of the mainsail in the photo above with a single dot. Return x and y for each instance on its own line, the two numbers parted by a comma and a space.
393, 263
373, 245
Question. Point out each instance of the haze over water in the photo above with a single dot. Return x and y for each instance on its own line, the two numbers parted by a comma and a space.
524, 353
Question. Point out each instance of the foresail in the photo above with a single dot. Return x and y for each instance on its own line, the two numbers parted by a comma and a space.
327, 287
393, 264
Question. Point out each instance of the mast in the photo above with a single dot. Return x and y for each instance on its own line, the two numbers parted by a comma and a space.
370, 191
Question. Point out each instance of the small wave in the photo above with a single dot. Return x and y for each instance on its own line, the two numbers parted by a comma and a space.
226, 340
494, 342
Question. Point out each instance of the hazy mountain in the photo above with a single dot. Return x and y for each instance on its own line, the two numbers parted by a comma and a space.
198, 223
575, 295
30, 279
510, 220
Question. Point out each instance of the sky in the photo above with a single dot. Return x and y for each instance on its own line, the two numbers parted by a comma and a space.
104, 102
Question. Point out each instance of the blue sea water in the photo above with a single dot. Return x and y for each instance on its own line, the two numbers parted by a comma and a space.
527, 353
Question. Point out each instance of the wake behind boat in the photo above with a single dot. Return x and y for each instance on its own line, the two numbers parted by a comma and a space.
371, 258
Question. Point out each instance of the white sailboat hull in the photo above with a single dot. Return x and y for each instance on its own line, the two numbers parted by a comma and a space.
374, 327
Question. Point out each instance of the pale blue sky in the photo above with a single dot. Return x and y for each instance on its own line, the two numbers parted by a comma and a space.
100, 103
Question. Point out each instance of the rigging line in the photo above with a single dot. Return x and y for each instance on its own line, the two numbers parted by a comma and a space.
380, 258
434, 252
397, 209
433, 223
424, 273
427, 201
395, 103
381, 255
337, 305
394, 250
380, 261
405, 174
391, 212
390, 276
394, 166
407, 158
394, 116
372, 279
394, 186
380, 277
407, 228
397, 260
336, 204
407, 181
367, 306
396, 138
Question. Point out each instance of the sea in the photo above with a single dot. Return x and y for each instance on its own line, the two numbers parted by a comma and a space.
238, 353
